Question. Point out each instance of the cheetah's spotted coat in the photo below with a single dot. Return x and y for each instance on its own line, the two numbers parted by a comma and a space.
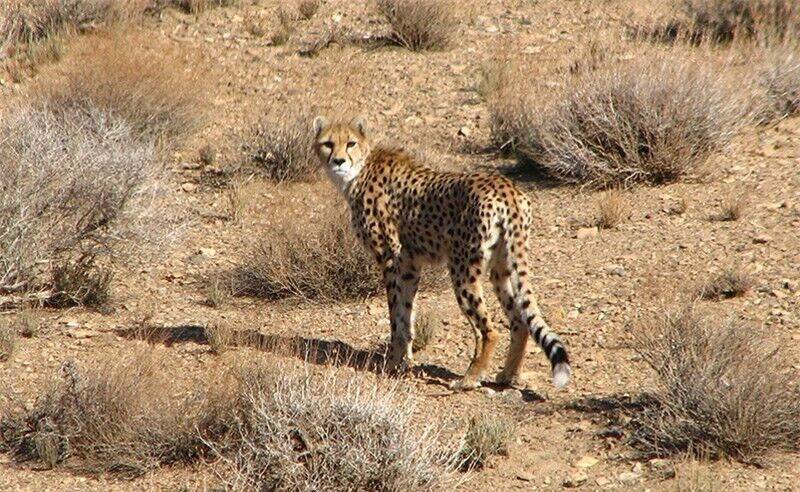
407, 215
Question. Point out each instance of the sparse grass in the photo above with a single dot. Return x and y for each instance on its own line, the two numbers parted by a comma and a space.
485, 437
307, 8
282, 146
731, 282
113, 417
296, 431
283, 33
217, 291
726, 20
200, 6
612, 208
157, 90
733, 207
8, 340
325, 262
238, 198
425, 328
207, 154
27, 323
72, 181
722, 389
420, 25
693, 477
679, 207
653, 120
780, 78
221, 336
80, 283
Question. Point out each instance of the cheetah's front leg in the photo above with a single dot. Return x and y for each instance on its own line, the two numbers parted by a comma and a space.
402, 280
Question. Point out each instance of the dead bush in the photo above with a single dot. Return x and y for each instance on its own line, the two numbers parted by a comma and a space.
77, 180
324, 262
8, 340
485, 437
733, 207
780, 78
291, 430
282, 146
420, 24
220, 336
156, 89
425, 328
80, 283
612, 208
29, 21
653, 120
725, 20
199, 6
114, 417
307, 8
722, 389
729, 283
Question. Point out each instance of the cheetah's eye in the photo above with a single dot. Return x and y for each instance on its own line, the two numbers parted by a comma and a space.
328, 145
350, 145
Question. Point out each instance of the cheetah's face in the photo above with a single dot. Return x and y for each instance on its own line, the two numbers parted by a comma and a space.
342, 148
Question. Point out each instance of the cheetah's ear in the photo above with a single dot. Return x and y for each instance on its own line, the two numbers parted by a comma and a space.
319, 124
360, 124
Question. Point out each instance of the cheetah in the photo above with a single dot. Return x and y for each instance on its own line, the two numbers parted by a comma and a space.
408, 215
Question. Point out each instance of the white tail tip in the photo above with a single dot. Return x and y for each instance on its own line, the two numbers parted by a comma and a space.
561, 374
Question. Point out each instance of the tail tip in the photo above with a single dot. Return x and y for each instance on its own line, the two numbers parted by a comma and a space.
561, 373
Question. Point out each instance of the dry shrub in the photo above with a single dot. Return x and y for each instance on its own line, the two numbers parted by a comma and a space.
307, 8
485, 437
291, 430
726, 20
733, 206
693, 477
199, 6
8, 340
27, 323
282, 146
113, 417
29, 21
220, 336
156, 89
722, 389
780, 78
325, 262
612, 208
656, 119
420, 24
74, 180
425, 328
80, 283
731, 282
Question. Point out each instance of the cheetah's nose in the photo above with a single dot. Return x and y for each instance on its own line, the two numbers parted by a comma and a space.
338, 161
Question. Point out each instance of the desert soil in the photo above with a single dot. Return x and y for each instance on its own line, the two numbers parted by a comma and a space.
593, 289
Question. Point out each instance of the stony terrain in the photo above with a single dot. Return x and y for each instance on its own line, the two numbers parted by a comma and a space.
594, 286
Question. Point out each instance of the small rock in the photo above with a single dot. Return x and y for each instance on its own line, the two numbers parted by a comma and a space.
789, 285
487, 391
586, 462
616, 270
628, 478
80, 333
464, 131
72, 324
762, 239
576, 480
208, 252
779, 294
587, 232
189, 187
602, 481
525, 477
511, 395
190, 165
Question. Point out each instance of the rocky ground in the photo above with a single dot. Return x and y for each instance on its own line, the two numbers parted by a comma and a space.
593, 285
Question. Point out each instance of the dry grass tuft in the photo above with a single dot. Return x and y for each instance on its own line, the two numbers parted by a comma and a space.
291, 430
325, 261
78, 180
217, 291
220, 336
485, 437
27, 323
307, 8
612, 208
780, 78
733, 207
653, 120
207, 154
155, 89
285, 29
425, 328
8, 340
731, 282
693, 477
200, 6
723, 389
726, 20
80, 283
420, 25
283, 147
113, 417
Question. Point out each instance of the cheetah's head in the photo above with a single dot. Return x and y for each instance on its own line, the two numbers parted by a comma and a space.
342, 148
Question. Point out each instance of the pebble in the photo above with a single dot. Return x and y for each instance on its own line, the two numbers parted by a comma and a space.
575, 480
587, 232
586, 462
762, 239
511, 395
188, 187
487, 391
525, 477
628, 478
